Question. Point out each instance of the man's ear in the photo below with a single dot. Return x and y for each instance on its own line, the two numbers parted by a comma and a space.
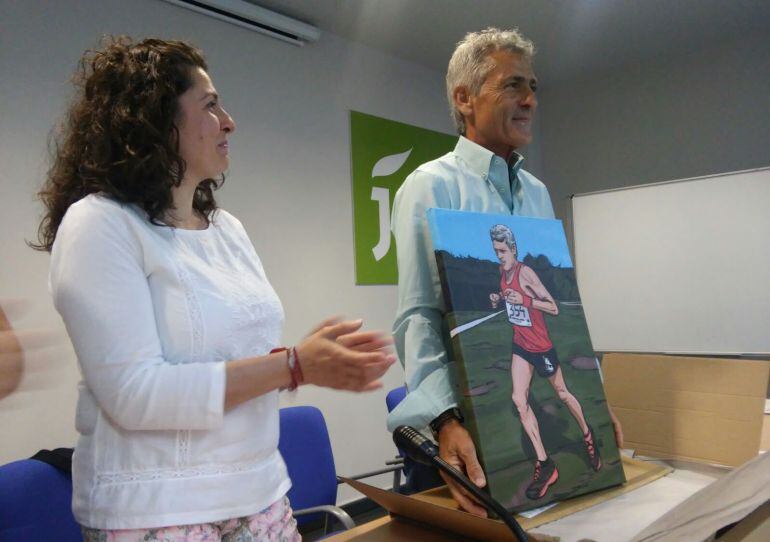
463, 102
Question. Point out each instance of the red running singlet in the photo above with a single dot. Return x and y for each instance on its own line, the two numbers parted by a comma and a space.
532, 338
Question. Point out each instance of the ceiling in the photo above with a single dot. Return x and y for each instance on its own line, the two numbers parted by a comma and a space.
572, 37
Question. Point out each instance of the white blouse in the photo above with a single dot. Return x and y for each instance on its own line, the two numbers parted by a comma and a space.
153, 313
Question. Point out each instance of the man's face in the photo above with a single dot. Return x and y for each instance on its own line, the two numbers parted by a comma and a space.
499, 117
504, 253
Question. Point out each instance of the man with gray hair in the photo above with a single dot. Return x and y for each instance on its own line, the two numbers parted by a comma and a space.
491, 90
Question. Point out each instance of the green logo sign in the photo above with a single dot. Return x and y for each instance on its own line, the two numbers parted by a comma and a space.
384, 152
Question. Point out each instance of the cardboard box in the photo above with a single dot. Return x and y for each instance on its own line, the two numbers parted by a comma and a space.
764, 445
708, 410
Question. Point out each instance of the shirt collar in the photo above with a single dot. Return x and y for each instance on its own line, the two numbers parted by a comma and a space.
479, 158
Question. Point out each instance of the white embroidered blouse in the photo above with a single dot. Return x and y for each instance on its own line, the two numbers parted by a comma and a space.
153, 313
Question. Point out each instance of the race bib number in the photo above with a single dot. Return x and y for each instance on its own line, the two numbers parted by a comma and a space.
518, 315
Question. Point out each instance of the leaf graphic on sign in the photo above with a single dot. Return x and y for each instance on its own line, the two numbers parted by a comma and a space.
388, 165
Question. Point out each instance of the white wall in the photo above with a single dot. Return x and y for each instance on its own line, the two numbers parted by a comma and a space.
685, 114
289, 183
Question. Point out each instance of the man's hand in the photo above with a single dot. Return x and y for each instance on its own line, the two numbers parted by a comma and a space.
513, 297
616, 426
456, 448
494, 298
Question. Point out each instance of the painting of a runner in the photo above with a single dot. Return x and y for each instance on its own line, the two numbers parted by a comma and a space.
526, 299
528, 380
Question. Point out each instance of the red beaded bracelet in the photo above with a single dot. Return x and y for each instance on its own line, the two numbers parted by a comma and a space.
295, 369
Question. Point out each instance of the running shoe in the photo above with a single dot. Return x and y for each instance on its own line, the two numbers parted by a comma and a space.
545, 476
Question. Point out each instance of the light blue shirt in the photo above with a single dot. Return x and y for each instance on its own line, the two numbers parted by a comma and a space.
470, 178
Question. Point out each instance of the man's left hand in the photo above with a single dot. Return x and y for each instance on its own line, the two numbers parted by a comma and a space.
456, 448
617, 427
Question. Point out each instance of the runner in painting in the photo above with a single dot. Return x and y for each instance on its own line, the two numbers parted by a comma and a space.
526, 299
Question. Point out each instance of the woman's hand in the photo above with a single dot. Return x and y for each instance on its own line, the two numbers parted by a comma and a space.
337, 355
334, 355
361, 341
22, 352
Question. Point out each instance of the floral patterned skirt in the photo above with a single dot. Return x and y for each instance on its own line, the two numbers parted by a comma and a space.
273, 524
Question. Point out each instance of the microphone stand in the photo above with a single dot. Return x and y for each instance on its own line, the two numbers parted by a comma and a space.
423, 451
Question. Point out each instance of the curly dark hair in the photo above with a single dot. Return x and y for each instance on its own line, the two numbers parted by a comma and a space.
120, 136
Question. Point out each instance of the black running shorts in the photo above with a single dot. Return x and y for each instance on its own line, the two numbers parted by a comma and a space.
545, 363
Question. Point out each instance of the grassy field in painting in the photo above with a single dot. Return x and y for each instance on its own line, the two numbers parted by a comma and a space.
505, 451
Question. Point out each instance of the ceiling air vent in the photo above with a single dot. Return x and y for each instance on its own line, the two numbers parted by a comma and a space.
254, 18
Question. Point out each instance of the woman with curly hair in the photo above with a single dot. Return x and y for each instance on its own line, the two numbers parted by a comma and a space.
172, 318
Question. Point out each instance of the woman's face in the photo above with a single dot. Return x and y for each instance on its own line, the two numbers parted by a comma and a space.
203, 129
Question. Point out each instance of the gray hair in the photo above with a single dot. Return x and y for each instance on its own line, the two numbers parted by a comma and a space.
502, 234
470, 63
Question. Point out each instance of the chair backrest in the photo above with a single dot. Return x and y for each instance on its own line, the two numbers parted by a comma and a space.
36, 503
306, 449
394, 397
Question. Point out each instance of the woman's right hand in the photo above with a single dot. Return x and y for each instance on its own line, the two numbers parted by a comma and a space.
337, 355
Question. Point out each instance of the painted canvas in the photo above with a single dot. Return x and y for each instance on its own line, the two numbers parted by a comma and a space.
528, 377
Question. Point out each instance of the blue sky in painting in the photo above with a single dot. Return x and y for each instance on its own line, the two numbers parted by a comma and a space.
463, 233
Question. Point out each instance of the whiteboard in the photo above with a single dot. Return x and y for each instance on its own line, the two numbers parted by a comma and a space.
677, 267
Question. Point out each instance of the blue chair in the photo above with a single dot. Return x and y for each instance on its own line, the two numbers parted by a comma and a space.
418, 477
394, 397
306, 449
35, 503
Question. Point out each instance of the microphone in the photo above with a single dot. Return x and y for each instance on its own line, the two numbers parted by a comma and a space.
422, 450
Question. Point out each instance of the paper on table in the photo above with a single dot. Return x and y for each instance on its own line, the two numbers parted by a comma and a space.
729, 499
611, 520
537, 511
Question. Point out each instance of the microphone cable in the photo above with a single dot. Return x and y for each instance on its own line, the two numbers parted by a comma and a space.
424, 451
